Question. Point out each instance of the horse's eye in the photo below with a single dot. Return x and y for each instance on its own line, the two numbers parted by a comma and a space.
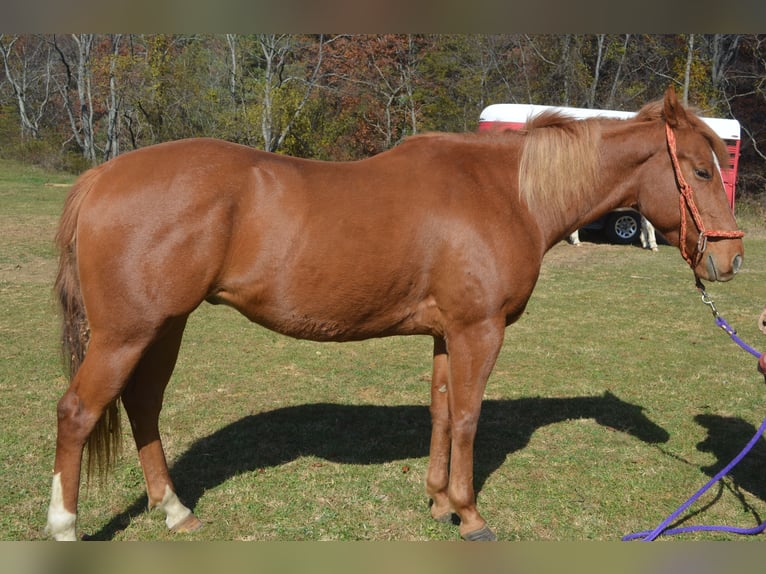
702, 173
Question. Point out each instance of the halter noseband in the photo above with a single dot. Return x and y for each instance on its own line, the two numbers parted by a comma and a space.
687, 200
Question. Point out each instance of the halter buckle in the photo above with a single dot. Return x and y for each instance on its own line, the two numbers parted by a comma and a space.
702, 242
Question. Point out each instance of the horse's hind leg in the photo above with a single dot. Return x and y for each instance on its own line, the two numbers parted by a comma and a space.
142, 399
97, 384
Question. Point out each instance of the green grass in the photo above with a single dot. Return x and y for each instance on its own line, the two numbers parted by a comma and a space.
615, 397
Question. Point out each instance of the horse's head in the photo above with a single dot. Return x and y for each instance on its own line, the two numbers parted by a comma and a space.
682, 192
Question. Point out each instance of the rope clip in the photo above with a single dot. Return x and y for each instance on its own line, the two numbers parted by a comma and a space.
707, 299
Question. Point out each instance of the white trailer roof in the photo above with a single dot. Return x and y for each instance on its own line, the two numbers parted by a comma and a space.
519, 113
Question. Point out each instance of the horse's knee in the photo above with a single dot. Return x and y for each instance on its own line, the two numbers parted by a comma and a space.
68, 406
72, 419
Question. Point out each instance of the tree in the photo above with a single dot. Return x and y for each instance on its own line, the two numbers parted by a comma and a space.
113, 102
622, 53
281, 76
74, 54
27, 65
379, 76
461, 74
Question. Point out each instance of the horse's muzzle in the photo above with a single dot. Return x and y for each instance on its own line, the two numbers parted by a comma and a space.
717, 272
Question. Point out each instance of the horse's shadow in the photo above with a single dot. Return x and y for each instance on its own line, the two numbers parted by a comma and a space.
366, 434
727, 436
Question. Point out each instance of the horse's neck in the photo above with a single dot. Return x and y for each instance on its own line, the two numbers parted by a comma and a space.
614, 185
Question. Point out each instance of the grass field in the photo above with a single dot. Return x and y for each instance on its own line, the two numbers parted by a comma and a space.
614, 399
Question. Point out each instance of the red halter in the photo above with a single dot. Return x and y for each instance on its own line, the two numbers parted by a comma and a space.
687, 200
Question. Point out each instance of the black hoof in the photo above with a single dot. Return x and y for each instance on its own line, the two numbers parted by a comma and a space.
445, 518
482, 535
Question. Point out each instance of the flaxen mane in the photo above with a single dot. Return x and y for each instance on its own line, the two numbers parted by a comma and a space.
559, 163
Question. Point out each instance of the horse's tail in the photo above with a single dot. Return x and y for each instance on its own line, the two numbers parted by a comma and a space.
104, 441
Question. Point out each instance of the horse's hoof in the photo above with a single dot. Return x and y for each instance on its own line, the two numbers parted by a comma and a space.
188, 524
445, 518
484, 534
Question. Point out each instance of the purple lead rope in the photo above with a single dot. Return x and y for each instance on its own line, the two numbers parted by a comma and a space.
662, 529
649, 535
721, 322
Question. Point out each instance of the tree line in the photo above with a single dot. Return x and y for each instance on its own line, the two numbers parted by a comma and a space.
76, 100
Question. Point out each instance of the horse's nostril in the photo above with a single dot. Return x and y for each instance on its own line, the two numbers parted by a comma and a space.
736, 263
712, 272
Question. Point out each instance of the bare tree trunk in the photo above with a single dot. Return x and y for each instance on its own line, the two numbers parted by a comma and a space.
525, 68
276, 50
617, 74
231, 40
566, 42
408, 73
80, 119
688, 69
724, 48
112, 147
84, 43
310, 84
22, 79
273, 48
596, 71
390, 92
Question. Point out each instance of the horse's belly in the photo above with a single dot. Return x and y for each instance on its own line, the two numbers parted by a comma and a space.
334, 318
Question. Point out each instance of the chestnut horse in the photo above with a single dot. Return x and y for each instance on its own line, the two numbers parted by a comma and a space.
442, 235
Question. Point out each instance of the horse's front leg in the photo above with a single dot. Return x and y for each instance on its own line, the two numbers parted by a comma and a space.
437, 479
472, 354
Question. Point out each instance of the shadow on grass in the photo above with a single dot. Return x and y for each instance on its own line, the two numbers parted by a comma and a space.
368, 434
727, 436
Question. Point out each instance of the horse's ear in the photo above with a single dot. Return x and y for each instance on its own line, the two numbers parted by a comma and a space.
673, 110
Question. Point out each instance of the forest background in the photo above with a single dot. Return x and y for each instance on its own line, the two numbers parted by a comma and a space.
70, 101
